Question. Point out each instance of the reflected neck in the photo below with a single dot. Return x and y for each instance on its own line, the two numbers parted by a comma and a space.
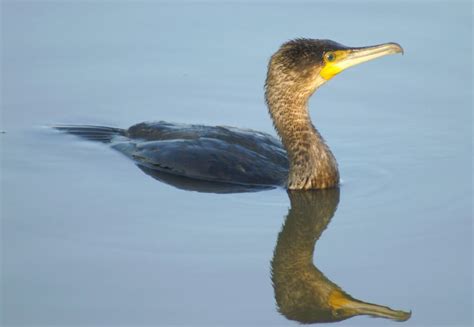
312, 164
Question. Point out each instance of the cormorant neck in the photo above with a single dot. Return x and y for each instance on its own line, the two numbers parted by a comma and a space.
312, 164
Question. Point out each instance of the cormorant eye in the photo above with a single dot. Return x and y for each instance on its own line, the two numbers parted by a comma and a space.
330, 56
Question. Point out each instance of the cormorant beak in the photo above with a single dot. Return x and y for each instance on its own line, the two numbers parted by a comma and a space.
339, 60
349, 307
374, 310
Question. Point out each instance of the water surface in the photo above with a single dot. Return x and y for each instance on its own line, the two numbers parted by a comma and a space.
89, 239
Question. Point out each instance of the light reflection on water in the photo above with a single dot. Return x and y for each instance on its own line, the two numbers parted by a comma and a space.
89, 239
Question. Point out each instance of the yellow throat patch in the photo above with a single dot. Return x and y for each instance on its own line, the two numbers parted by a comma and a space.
332, 68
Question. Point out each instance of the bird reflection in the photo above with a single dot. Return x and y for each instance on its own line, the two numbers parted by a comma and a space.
190, 184
302, 292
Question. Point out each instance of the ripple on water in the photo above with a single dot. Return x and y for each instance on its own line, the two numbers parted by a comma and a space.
365, 179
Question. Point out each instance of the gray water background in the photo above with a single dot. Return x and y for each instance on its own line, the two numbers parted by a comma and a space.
88, 239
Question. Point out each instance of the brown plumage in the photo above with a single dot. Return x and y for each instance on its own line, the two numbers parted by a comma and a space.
293, 76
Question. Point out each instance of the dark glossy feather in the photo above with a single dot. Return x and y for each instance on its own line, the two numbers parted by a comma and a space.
214, 154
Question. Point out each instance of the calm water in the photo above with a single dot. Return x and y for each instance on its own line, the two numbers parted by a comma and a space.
89, 239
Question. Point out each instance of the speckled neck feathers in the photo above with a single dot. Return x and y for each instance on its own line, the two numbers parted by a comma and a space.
287, 91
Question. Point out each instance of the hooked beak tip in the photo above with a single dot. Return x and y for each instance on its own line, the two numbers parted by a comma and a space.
397, 48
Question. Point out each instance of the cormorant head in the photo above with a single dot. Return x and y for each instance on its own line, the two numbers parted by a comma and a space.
303, 65
316, 299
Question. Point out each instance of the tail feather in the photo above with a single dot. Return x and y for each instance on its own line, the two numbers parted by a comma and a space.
93, 133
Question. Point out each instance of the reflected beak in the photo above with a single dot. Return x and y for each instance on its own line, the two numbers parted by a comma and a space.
374, 310
354, 56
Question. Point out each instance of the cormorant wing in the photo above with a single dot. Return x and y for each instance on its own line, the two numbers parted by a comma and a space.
209, 159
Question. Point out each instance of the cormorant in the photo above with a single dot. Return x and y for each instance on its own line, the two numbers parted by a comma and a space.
302, 292
229, 155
